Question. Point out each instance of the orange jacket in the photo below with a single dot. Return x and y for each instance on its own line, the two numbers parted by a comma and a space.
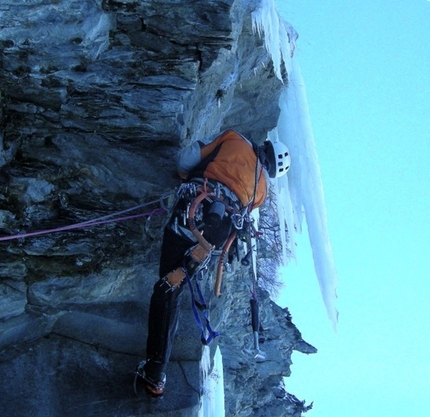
234, 165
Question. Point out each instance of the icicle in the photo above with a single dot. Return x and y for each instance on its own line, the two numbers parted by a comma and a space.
300, 191
278, 35
305, 186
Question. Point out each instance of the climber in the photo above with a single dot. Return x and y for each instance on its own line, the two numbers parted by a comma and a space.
222, 182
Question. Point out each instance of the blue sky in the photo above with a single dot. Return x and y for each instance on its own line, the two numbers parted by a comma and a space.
365, 65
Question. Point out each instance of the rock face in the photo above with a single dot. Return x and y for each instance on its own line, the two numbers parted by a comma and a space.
96, 98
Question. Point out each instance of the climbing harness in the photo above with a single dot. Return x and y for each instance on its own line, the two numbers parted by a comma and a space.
195, 192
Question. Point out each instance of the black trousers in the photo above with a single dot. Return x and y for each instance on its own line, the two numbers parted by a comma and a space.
164, 306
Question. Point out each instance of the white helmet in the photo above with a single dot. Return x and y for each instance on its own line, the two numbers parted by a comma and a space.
278, 157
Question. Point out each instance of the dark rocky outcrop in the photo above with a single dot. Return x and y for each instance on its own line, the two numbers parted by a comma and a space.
97, 97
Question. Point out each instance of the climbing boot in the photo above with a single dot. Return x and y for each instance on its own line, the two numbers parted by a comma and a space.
153, 384
154, 387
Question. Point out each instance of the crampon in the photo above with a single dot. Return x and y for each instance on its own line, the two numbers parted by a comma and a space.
154, 387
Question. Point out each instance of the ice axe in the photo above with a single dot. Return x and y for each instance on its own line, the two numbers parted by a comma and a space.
255, 351
250, 259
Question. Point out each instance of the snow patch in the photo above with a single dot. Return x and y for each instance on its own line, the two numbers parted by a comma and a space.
213, 385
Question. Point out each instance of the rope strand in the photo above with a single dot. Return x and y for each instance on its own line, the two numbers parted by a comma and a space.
93, 222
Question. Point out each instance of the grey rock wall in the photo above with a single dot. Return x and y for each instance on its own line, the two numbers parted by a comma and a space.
96, 98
